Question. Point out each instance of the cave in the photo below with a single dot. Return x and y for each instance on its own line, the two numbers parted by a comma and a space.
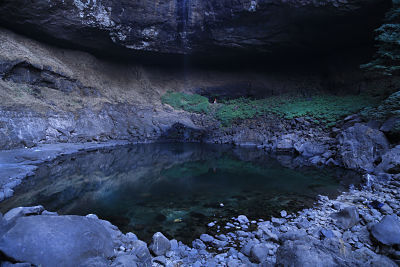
199, 133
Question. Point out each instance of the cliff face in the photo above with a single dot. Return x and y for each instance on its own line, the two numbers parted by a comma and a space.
192, 26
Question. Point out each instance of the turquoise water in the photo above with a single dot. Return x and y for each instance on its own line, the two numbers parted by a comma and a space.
177, 188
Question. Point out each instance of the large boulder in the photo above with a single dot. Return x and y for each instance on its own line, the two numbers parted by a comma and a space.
387, 231
360, 146
391, 161
56, 240
182, 26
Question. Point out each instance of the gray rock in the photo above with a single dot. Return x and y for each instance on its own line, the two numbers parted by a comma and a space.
56, 240
387, 231
22, 211
391, 161
142, 253
346, 218
125, 261
303, 253
243, 219
386, 209
159, 244
206, 238
259, 253
361, 145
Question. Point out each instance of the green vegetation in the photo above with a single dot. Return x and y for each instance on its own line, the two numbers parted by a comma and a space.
321, 109
192, 103
387, 58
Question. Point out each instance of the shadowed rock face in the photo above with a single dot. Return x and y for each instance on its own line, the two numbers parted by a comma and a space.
192, 26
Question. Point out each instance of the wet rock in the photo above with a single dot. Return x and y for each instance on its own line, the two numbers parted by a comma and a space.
159, 244
346, 218
43, 240
387, 231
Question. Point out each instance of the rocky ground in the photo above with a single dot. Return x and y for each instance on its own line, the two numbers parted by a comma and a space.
359, 228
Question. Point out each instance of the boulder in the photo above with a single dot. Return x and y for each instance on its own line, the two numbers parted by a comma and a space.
346, 218
387, 231
56, 240
391, 161
159, 244
360, 146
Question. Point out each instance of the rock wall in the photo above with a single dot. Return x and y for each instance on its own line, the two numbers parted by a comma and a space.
51, 95
191, 26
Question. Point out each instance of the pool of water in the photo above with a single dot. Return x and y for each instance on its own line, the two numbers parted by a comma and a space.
177, 189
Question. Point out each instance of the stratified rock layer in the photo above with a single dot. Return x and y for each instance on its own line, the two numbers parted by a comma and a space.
186, 26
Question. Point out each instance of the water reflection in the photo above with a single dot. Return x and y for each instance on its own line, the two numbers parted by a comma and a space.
176, 188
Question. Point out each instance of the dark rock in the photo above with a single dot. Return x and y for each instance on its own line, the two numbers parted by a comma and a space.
346, 218
197, 26
360, 146
56, 240
387, 231
391, 161
159, 244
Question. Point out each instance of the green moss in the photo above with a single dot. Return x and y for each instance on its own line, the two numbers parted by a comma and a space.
324, 110
321, 109
189, 102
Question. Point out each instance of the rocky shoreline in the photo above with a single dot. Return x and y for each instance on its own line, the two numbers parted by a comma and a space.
359, 228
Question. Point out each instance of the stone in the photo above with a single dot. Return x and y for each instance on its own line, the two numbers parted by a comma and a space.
360, 146
22, 211
142, 253
206, 238
259, 253
386, 209
346, 218
283, 213
159, 244
303, 253
243, 219
125, 261
391, 161
56, 240
387, 231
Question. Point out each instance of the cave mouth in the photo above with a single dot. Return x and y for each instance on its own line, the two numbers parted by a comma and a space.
178, 188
